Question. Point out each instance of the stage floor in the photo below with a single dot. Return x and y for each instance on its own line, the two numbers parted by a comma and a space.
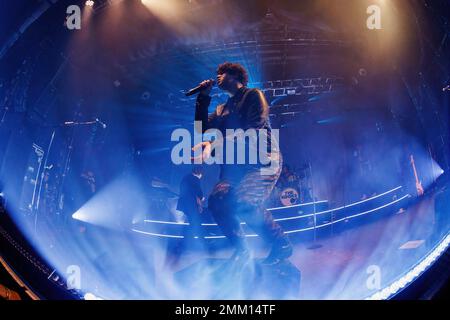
353, 263
356, 263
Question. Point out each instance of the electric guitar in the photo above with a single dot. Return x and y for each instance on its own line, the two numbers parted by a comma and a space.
156, 183
419, 188
164, 187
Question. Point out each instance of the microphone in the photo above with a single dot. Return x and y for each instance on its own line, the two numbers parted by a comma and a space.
447, 88
101, 123
198, 88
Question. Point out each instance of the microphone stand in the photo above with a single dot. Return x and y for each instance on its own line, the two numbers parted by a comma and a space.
80, 123
67, 162
314, 245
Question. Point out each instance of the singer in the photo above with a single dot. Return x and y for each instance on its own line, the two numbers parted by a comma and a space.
242, 189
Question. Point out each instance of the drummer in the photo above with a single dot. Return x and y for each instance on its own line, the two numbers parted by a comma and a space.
287, 177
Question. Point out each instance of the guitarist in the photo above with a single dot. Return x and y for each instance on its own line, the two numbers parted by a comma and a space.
191, 194
191, 204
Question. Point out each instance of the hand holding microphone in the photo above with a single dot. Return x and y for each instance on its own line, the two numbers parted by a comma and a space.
203, 88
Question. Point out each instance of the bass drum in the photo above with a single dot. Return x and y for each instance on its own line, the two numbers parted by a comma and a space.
289, 197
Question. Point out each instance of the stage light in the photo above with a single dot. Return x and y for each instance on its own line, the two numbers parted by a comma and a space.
2, 202
104, 210
413, 273
77, 216
89, 3
170, 12
91, 296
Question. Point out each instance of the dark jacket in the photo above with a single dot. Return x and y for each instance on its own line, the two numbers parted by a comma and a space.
248, 108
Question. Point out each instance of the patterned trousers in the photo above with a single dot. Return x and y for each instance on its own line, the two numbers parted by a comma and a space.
241, 197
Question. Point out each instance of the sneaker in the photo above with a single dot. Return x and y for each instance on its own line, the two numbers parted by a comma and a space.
280, 252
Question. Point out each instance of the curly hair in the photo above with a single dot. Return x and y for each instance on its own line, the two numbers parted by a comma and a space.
234, 69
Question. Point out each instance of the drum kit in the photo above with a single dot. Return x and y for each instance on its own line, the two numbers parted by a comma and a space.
293, 187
